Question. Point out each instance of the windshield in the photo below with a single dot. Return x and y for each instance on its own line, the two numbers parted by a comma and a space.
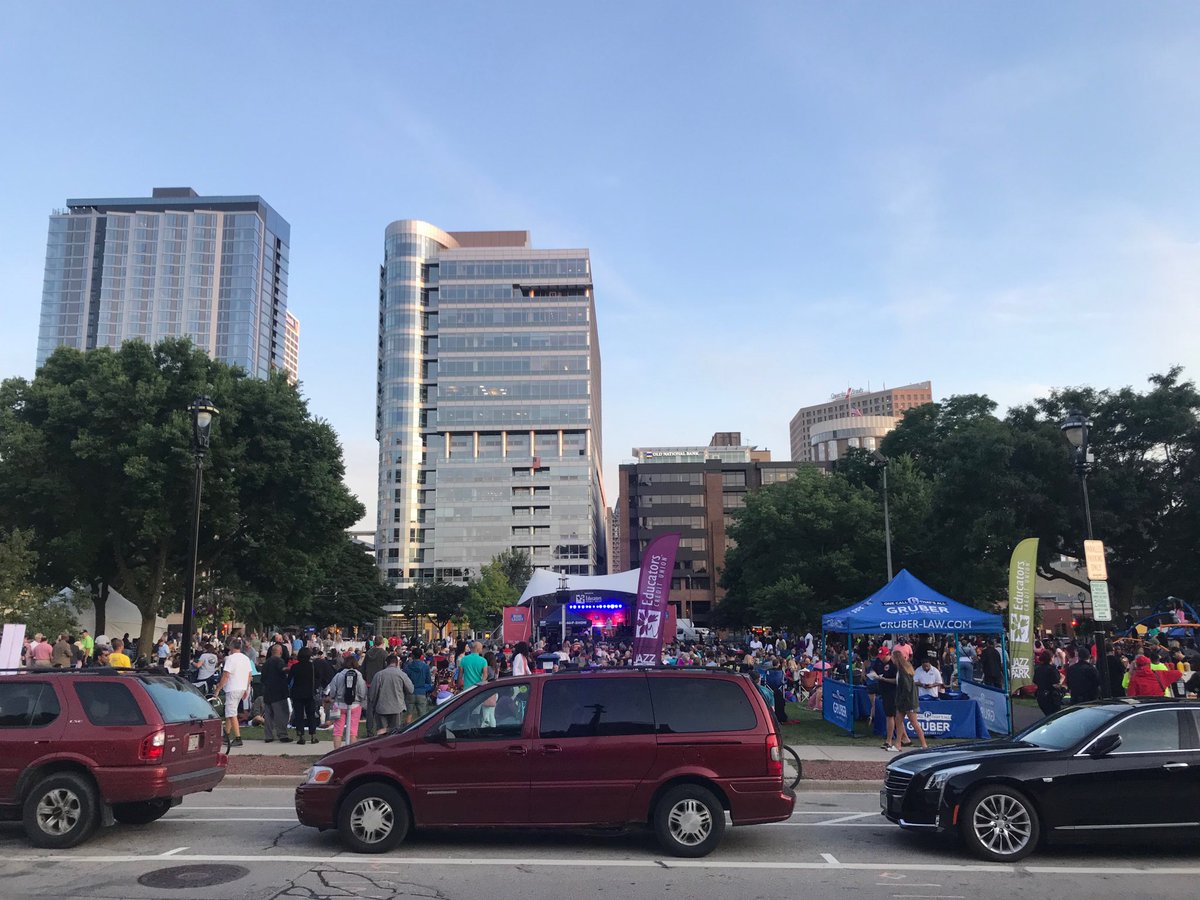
420, 720
177, 701
1069, 727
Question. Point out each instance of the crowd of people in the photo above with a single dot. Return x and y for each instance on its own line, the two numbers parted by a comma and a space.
307, 683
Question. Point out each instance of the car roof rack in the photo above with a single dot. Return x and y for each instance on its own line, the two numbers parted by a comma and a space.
92, 670
712, 670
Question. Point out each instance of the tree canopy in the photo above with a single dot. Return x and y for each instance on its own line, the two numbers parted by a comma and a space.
964, 487
95, 455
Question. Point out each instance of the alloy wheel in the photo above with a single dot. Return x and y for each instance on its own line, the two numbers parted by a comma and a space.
1002, 824
59, 811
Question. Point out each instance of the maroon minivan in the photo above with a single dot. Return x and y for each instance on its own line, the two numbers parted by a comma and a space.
670, 748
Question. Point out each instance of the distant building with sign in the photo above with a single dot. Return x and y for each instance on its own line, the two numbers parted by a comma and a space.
853, 418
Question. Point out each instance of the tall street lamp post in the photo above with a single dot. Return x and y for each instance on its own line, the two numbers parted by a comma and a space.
203, 412
1076, 427
881, 461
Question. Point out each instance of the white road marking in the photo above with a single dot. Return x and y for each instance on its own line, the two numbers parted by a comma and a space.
174, 852
851, 818
829, 858
228, 819
235, 809
933, 896
673, 863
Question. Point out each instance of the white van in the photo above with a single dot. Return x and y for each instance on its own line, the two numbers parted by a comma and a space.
685, 630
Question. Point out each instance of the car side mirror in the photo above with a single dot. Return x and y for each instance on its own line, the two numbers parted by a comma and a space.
1104, 746
439, 734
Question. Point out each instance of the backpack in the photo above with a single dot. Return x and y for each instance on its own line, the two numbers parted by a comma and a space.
350, 688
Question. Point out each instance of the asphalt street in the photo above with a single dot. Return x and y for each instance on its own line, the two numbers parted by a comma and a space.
246, 843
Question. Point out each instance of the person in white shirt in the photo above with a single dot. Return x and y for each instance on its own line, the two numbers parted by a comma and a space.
235, 681
928, 680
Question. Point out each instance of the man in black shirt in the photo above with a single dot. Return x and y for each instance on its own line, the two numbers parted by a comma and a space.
1083, 679
275, 697
993, 665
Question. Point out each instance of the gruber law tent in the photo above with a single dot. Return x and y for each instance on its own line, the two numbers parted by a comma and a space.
905, 605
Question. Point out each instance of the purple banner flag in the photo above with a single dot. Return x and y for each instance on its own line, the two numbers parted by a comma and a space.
654, 583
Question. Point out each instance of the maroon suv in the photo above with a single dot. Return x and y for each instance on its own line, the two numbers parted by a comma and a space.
674, 749
82, 746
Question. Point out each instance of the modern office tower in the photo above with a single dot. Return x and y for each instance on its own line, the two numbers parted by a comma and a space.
856, 418
291, 347
487, 407
696, 492
214, 269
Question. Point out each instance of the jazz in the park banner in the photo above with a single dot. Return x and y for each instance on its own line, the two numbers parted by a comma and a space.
1022, 579
654, 583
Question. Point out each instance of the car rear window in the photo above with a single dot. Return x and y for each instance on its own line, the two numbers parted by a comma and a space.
177, 701
27, 704
595, 707
690, 705
109, 703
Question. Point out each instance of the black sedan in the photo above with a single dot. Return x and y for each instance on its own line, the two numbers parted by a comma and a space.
1117, 766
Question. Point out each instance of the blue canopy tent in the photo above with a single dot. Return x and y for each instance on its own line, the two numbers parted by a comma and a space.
906, 605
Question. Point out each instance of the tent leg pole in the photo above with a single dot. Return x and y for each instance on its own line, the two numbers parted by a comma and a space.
1007, 683
850, 676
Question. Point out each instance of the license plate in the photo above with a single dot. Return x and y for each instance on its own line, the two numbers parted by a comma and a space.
193, 742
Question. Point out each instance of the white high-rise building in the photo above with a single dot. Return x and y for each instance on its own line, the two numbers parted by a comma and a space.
488, 405
175, 264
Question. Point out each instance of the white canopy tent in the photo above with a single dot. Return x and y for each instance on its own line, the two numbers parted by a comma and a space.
545, 582
120, 617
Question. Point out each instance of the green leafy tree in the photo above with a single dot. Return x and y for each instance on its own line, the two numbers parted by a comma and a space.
351, 589
96, 451
488, 595
439, 601
803, 548
22, 600
517, 566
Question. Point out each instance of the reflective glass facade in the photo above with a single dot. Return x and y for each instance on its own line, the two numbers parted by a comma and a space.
213, 269
488, 405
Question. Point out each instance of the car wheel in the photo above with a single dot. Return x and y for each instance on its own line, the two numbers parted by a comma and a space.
373, 818
141, 813
999, 824
60, 811
689, 821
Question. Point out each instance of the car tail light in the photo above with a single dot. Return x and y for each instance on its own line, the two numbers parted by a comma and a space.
151, 749
774, 756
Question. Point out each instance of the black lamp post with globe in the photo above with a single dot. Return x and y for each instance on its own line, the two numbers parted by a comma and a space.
203, 413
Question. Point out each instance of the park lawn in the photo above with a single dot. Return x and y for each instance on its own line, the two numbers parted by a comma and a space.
807, 727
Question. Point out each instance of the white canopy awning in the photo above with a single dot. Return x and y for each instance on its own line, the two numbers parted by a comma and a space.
545, 582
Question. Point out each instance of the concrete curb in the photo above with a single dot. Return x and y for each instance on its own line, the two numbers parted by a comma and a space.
290, 781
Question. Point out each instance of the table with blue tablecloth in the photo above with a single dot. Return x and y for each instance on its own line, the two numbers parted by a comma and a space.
939, 718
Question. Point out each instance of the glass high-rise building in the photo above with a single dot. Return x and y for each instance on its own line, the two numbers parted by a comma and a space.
175, 264
488, 405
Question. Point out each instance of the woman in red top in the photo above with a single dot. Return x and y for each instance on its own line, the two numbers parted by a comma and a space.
1147, 682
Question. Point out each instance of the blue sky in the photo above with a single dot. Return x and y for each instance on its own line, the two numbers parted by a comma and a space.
781, 199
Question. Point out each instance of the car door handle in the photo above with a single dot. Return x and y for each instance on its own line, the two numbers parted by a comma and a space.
552, 748
517, 751
1175, 766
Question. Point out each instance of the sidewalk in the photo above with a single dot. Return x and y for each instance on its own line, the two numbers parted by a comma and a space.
868, 752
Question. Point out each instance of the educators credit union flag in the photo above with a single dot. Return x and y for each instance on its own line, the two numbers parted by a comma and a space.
1022, 579
650, 613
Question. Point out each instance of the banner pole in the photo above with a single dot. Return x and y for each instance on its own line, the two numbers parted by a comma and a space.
1007, 684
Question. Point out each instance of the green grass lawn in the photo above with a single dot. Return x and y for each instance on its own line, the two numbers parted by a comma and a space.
810, 728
